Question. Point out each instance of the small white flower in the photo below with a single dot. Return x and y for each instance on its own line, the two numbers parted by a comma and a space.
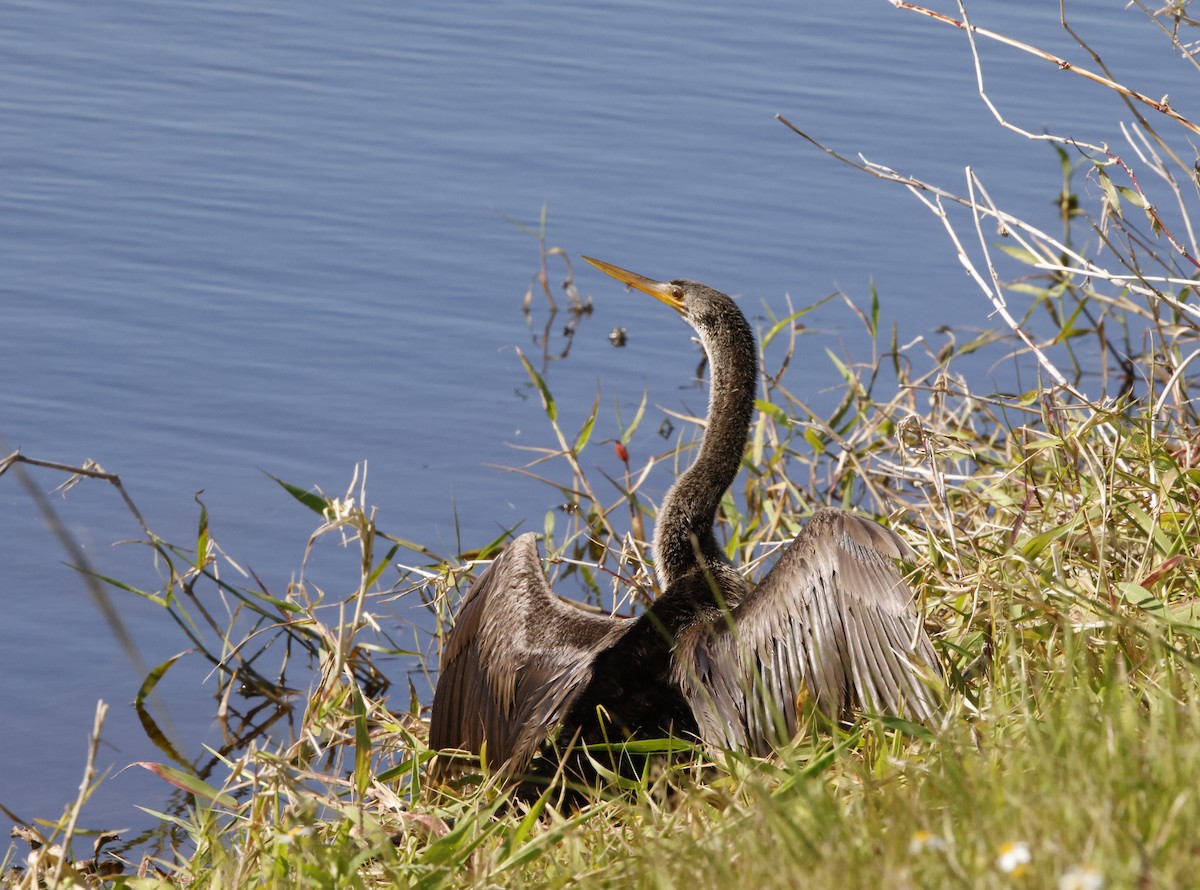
1013, 858
924, 840
285, 838
1081, 877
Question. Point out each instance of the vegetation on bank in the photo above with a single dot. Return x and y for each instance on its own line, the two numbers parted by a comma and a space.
1059, 533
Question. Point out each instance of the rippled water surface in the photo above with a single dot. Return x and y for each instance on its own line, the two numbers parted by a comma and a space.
238, 237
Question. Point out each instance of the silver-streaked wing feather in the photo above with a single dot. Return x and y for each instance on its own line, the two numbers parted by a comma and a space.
513, 663
834, 619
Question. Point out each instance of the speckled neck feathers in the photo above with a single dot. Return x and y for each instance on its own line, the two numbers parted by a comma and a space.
685, 520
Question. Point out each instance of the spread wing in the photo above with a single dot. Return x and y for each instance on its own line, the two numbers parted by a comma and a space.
833, 620
515, 660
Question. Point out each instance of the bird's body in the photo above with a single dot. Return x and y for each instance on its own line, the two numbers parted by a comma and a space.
710, 658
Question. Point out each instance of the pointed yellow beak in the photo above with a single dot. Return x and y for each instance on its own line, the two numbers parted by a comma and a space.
660, 290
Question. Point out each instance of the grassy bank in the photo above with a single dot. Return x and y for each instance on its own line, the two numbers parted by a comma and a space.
1059, 539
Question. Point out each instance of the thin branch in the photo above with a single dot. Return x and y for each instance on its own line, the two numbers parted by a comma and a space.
1161, 106
1153, 213
987, 100
1009, 222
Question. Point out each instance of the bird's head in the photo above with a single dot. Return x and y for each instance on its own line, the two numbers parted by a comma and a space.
698, 304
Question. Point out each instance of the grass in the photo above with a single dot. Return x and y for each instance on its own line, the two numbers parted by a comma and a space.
1060, 547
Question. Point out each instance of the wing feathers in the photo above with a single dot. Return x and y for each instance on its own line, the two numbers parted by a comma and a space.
514, 661
833, 619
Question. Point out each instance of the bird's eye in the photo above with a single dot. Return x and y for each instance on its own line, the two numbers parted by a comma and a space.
677, 292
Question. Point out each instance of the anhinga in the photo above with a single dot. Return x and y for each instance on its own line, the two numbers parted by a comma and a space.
711, 658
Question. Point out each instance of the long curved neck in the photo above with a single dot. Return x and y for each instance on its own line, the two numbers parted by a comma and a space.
685, 520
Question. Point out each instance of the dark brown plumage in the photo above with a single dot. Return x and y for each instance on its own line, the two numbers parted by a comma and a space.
710, 658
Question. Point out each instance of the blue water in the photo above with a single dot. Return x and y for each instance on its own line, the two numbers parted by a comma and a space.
238, 237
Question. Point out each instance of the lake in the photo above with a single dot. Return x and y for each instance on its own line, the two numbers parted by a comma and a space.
240, 237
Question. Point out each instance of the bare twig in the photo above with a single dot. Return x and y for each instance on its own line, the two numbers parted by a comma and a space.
1010, 224
1161, 106
85, 790
987, 100
1176, 14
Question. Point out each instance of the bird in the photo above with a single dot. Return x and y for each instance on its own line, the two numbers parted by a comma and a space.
711, 659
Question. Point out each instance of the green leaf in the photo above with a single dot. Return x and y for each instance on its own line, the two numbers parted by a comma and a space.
382, 564
362, 742
543, 390
907, 727
1033, 290
978, 342
628, 432
814, 438
1137, 595
1028, 257
1110, 191
1149, 527
395, 772
1132, 196
497, 543
1186, 614
774, 412
121, 585
188, 782
155, 675
644, 746
849, 376
155, 734
414, 699
585, 433
788, 320
313, 501
1068, 329
1036, 545
202, 536
1065, 160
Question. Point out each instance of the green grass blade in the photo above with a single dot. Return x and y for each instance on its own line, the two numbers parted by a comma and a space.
543, 390
313, 501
